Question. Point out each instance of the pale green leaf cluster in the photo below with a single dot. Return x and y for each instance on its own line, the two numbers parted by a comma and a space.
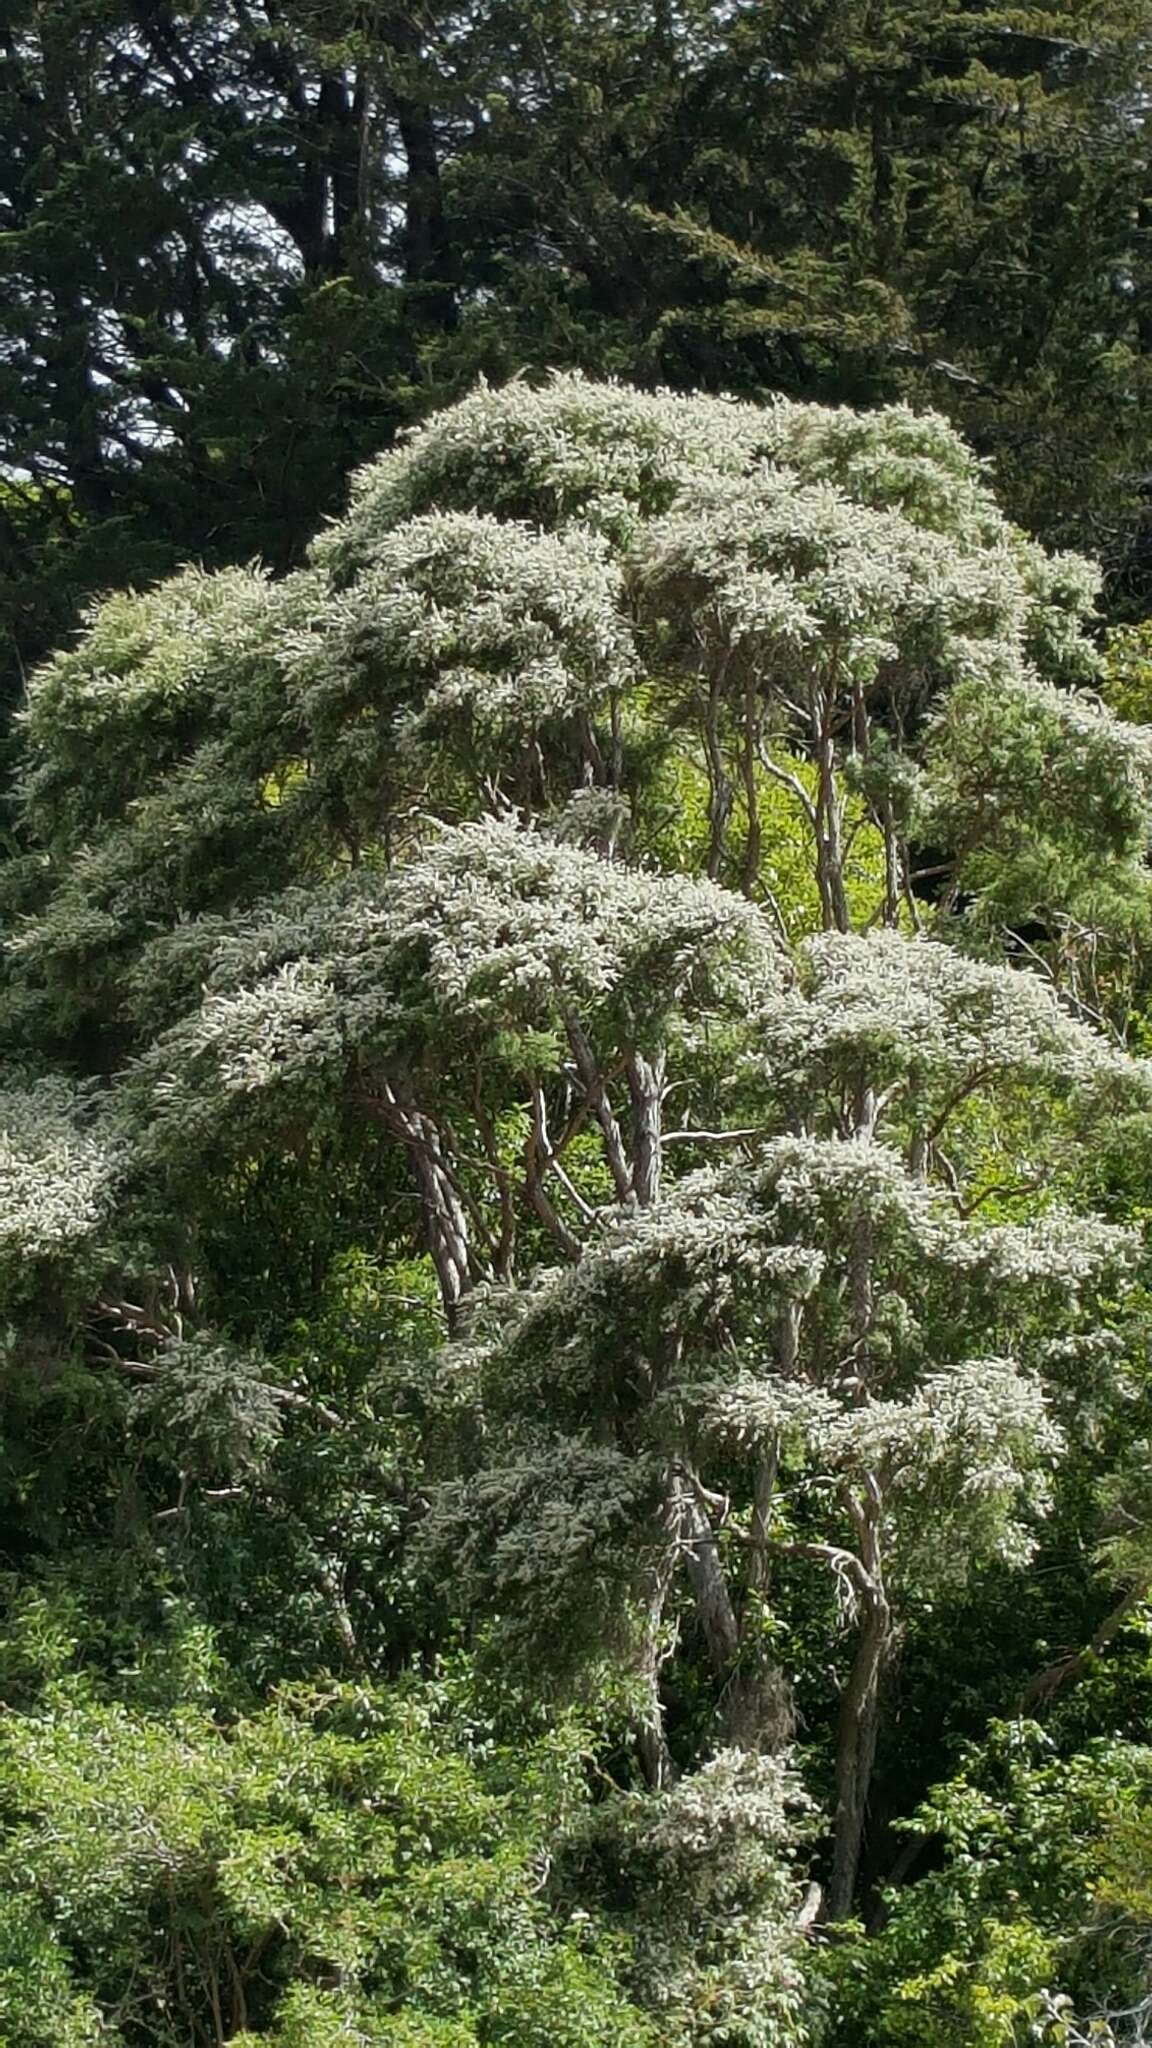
916, 1016
105, 719
490, 926
709, 1869
572, 451
462, 625
793, 580
213, 1399
58, 1174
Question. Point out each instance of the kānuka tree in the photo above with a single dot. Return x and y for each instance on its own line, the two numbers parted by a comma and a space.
664, 873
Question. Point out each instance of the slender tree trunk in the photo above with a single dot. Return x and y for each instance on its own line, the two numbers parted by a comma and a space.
755, 1707
763, 1495
714, 1609
596, 1095
855, 1756
426, 250
754, 843
445, 1220
540, 1160
651, 1741
859, 1720
829, 830
646, 1086
893, 870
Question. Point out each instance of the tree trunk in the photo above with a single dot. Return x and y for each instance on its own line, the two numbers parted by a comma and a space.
754, 843
596, 1095
646, 1085
426, 251
829, 834
445, 1221
539, 1160
651, 1742
719, 786
714, 1609
859, 1719
754, 1706
444, 1216
893, 870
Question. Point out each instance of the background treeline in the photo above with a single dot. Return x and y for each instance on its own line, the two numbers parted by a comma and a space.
243, 240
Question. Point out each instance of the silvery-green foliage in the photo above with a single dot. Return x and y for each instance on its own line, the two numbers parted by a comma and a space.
734, 1807
599, 819
490, 927
559, 1540
465, 635
1063, 589
1025, 762
105, 719
162, 772
58, 1173
609, 457
285, 1028
460, 629
974, 1447
807, 588
209, 1400
744, 1241
708, 1872
504, 917
1060, 1250
601, 454
275, 999
204, 836
893, 458
918, 1020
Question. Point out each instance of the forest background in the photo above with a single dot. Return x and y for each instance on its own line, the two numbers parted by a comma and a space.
575, 1124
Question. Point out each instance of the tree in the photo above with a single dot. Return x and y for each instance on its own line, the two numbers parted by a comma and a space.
334, 1862
1026, 1898
445, 887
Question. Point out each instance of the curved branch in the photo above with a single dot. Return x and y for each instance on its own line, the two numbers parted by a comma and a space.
1064, 1670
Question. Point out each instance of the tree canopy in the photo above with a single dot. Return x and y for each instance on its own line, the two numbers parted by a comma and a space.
571, 1226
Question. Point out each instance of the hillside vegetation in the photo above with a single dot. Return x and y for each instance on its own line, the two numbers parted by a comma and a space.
575, 1025
576, 1142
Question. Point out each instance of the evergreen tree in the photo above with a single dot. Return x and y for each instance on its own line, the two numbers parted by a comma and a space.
714, 1252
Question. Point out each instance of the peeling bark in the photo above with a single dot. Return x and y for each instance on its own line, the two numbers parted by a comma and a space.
646, 1086
445, 1220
